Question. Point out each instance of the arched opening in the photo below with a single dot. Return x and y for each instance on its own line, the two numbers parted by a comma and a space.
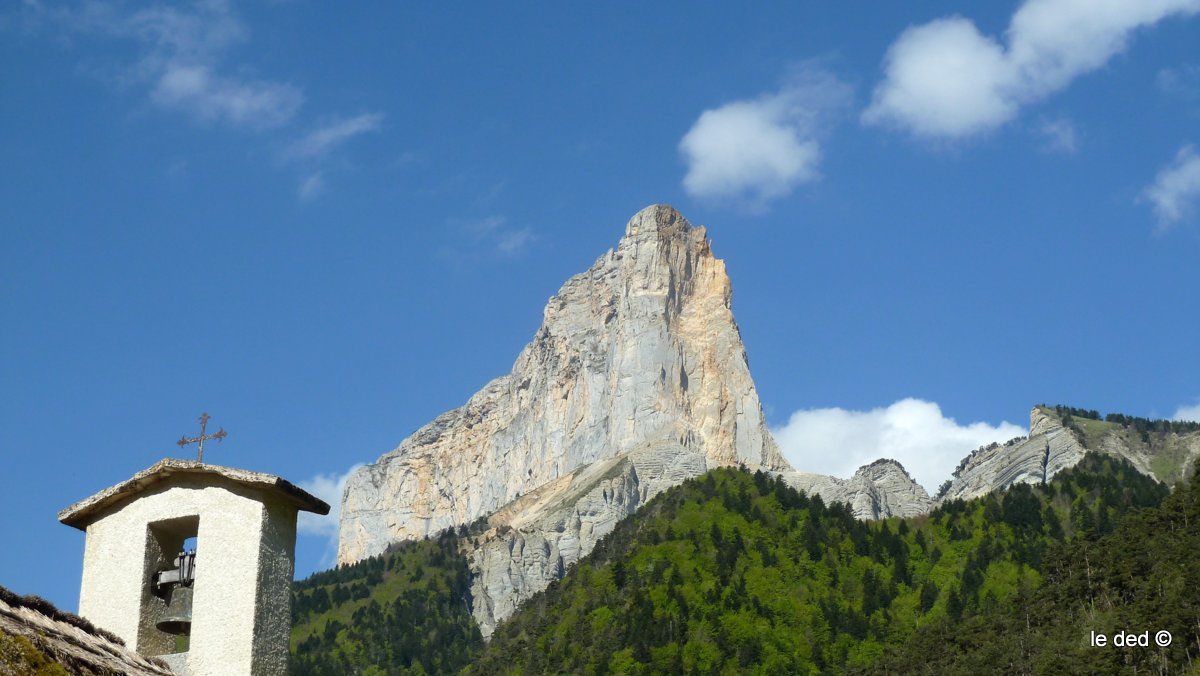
167, 580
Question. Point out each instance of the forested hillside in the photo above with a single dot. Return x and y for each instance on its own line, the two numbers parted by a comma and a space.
1142, 578
737, 573
404, 612
734, 572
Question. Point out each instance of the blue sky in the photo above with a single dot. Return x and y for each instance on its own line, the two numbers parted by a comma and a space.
326, 223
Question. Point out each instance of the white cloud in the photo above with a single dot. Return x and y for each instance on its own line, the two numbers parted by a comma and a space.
320, 141
914, 432
1187, 413
1058, 136
311, 186
328, 487
1175, 189
180, 53
763, 148
945, 79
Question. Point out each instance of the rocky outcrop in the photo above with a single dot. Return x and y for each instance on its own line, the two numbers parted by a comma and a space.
1049, 449
879, 490
640, 349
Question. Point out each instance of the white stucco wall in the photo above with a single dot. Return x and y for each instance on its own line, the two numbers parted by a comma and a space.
244, 561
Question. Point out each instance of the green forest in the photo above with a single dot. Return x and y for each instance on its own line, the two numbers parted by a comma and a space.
736, 572
404, 612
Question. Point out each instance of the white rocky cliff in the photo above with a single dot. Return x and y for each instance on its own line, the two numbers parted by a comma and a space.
1049, 449
641, 348
878, 490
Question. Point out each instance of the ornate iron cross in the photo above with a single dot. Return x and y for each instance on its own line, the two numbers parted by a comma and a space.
218, 435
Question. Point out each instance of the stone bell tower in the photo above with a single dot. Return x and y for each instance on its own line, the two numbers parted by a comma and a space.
220, 608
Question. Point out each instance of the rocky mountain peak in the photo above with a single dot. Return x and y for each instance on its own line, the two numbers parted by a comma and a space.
880, 489
1042, 421
640, 350
1049, 449
661, 226
635, 381
883, 467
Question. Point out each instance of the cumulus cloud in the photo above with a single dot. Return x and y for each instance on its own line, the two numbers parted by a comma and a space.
1188, 413
328, 487
761, 149
1176, 188
914, 432
323, 139
945, 79
180, 54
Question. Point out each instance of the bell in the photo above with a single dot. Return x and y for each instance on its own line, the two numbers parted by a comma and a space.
177, 618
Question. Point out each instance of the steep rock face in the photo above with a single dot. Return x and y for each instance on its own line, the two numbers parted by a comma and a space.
641, 348
1049, 449
878, 490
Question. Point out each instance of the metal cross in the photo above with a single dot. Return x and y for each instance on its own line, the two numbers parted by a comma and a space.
218, 435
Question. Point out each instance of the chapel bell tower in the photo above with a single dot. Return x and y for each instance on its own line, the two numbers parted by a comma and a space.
193, 563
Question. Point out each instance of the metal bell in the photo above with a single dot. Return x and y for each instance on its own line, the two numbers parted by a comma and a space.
177, 618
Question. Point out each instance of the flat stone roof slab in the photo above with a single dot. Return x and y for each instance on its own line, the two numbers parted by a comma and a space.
80, 514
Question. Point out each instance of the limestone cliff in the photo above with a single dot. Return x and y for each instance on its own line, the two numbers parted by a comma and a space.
878, 490
1049, 449
640, 349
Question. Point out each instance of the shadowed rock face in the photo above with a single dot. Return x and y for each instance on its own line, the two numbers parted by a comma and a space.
641, 348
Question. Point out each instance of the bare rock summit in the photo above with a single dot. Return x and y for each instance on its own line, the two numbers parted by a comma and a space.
879, 490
